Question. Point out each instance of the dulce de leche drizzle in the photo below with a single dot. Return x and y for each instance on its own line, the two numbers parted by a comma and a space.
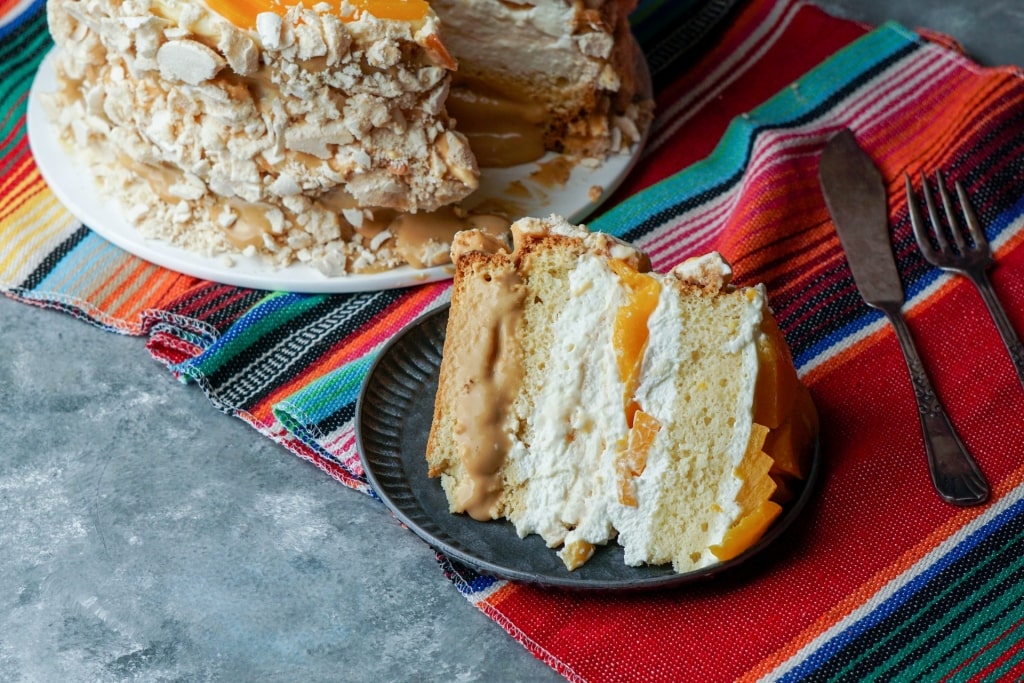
416, 232
490, 373
422, 239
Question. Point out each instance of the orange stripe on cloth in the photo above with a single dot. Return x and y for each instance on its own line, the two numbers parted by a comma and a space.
136, 286
29, 184
114, 289
24, 178
755, 237
7, 6
927, 143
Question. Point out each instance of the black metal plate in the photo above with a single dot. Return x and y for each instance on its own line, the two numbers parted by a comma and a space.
393, 419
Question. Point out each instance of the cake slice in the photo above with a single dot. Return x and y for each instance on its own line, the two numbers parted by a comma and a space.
585, 398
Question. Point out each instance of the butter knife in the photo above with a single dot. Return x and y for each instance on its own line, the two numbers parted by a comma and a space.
855, 196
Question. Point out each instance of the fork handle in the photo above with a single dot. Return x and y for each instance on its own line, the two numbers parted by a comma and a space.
1006, 331
955, 475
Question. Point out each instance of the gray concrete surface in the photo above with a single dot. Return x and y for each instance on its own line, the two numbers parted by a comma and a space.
144, 536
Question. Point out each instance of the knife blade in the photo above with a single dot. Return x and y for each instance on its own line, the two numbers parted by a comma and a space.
855, 195
856, 199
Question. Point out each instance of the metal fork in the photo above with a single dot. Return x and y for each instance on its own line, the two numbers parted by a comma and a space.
972, 260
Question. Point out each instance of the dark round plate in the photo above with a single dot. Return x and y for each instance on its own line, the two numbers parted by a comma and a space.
393, 417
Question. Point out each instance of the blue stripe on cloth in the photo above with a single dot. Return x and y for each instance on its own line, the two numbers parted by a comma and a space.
1002, 222
74, 274
469, 582
24, 15
833, 337
69, 242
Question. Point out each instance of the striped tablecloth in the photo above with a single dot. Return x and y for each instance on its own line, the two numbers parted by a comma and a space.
878, 578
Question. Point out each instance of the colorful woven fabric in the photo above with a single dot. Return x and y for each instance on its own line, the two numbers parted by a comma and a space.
878, 579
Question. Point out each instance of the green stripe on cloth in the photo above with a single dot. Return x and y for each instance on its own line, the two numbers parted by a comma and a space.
253, 329
20, 63
918, 636
730, 157
303, 410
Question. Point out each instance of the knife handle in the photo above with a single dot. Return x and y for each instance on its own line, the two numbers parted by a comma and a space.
955, 475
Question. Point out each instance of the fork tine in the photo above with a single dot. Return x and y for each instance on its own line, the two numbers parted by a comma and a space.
951, 214
917, 220
973, 224
933, 214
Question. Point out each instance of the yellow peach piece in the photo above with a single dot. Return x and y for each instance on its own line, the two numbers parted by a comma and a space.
632, 461
790, 445
629, 334
747, 531
777, 382
576, 554
242, 13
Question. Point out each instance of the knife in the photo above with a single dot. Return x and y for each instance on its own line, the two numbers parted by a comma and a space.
856, 199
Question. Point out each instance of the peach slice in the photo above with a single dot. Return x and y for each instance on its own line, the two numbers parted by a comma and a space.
746, 533
632, 461
757, 510
242, 13
777, 382
790, 444
629, 334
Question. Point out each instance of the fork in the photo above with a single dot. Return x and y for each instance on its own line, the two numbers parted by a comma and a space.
971, 260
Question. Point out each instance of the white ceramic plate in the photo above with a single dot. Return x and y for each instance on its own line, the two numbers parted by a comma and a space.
70, 181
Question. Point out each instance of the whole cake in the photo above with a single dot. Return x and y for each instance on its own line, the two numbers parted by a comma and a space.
585, 398
322, 133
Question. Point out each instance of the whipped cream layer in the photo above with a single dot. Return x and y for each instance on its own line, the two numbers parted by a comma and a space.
578, 418
566, 459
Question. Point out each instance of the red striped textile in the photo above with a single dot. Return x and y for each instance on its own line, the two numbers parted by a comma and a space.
878, 579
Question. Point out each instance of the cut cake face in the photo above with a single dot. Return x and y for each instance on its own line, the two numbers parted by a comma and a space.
586, 399
562, 76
